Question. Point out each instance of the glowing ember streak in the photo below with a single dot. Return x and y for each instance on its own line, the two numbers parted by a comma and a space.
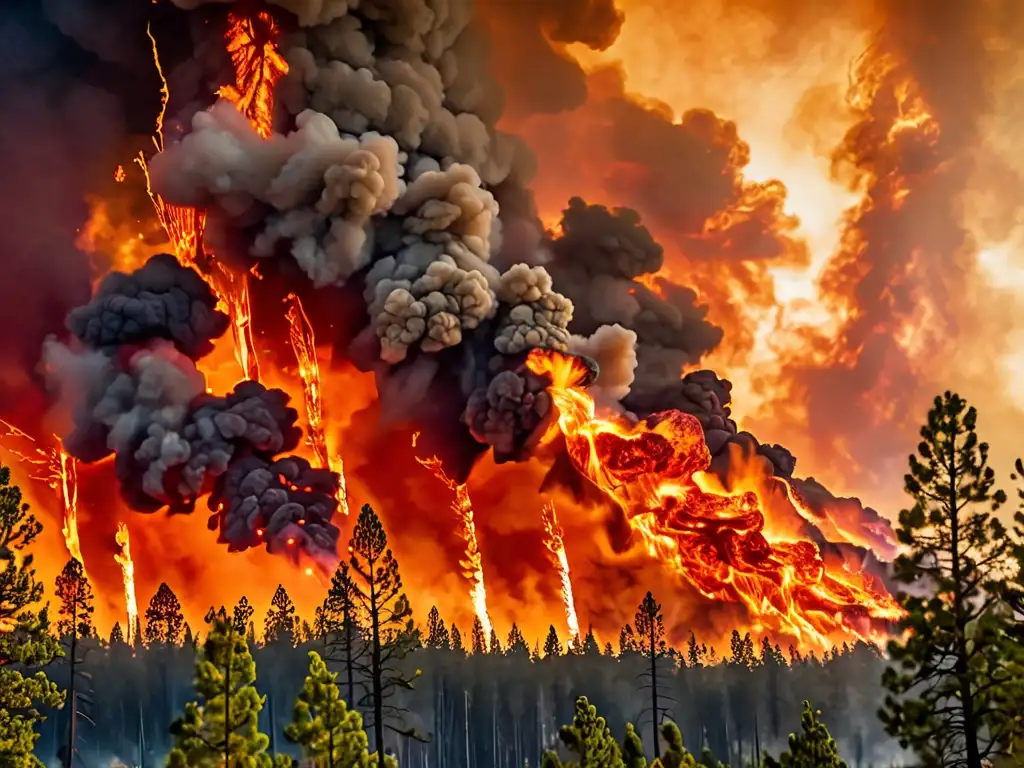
556, 546
119, 174
252, 43
472, 565
654, 471
124, 559
300, 333
233, 294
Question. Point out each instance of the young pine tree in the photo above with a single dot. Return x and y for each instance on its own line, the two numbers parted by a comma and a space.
589, 738
943, 692
329, 732
221, 729
814, 747
74, 625
25, 640
392, 634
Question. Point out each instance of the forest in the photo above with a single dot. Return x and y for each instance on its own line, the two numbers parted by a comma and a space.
366, 675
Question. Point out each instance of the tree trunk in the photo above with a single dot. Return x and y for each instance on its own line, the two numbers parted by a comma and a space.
72, 689
227, 703
377, 673
654, 694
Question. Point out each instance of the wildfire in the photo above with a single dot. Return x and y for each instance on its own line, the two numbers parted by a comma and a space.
119, 174
252, 43
472, 565
124, 559
233, 292
300, 333
556, 546
654, 471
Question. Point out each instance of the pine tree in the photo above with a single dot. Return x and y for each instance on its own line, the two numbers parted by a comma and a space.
552, 645
344, 641
516, 642
457, 640
328, 731
75, 624
437, 633
241, 614
25, 639
590, 646
281, 623
627, 640
221, 729
650, 643
494, 644
941, 701
589, 738
165, 622
392, 633
814, 747
479, 642
116, 634
633, 749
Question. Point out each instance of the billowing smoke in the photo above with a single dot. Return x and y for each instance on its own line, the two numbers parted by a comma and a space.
134, 391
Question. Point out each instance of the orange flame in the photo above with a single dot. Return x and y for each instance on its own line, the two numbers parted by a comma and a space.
252, 43
472, 565
654, 471
124, 559
119, 174
66, 478
233, 294
300, 333
556, 546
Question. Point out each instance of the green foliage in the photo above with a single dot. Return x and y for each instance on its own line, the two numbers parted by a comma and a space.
633, 749
165, 623
329, 732
589, 738
814, 747
949, 674
25, 639
222, 728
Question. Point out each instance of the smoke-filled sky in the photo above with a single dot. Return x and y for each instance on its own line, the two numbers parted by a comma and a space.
835, 195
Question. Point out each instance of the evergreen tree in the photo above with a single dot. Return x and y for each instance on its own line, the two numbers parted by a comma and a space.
328, 731
221, 729
633, 749
75, 624
552, 645
344, 643
589, 738
25, 640
116, 634
516, 642
392, 634
650, 642
241, 615
814, 747
457, 640
608, 650
627, 640
590, 645
494, 644
437, 633
942, 688
281, 623
479, 642
165, 622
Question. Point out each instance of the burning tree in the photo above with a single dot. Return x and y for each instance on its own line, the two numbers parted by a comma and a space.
221, 728
945, 684
25, 639
392, 634
75, 625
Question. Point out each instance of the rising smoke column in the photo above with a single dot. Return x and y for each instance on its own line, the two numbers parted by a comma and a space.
135, 392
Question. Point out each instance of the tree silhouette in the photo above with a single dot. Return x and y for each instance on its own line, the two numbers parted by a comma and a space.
329, 732
392, 634
457, 640
344, 642
164, 619
590, 646
650, 643
552, 645
221, 729
494, 644
814, 747
75, 624
281, 623
437, 633
479, 642
516, 643
116, 634
241, 615
25, 639
944, 683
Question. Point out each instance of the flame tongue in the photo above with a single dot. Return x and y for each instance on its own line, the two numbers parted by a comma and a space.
252, 43
653, 471
556, 546
124, 559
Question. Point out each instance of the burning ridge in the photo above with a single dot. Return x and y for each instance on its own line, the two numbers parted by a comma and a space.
132, 385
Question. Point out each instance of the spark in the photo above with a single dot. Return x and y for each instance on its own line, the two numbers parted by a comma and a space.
555, 544
252, 43
119, 174
303, 341
124, 559
472, 565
